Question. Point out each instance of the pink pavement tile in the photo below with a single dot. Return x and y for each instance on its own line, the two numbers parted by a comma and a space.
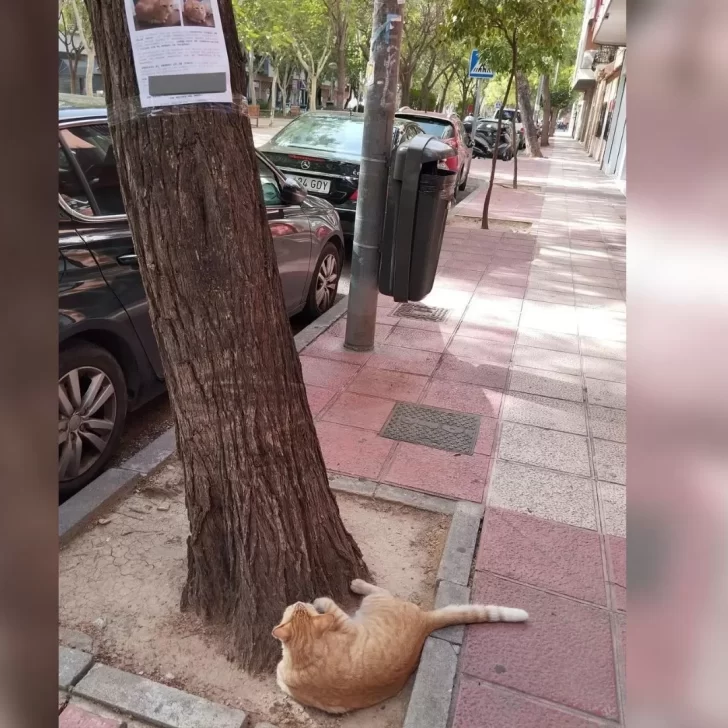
381, 331
438, 471
326, 373
617, 560
499, 334
455, 301
481, 350
358, 410
400, 359
384, 316
383, 383
501, 289
474, 262
449, 283
563, 653
318, 398
327, 346
418, 339
443, 327
75, 717
351, 450
463, 272
463, 398
480, 704
471, 371
545, 554
486, 436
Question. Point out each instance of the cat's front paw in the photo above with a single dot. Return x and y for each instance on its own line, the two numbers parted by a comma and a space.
359, 586
322, 604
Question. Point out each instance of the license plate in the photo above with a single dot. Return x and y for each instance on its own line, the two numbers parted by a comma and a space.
315, 184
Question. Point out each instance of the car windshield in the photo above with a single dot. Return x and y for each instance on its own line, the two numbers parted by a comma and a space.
325, 133
436, 127
507, 115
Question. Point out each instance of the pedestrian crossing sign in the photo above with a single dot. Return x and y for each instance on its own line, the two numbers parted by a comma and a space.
478, 69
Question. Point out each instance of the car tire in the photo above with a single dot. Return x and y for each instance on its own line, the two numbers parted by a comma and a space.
464, 183
92, 405
324, 282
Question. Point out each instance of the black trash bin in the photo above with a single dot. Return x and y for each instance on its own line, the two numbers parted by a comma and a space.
418, 199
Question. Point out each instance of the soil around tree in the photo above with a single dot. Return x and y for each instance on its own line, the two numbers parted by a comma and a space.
121, 580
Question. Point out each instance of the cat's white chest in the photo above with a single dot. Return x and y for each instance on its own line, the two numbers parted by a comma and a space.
281, 682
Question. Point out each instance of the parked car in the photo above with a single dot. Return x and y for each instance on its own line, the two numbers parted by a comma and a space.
507, 115
322, 151
109, 362
449, 129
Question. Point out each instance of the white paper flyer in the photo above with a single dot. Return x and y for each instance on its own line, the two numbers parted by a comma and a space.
179, 52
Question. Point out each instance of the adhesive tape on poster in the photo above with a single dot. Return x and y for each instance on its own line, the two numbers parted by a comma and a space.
126, 110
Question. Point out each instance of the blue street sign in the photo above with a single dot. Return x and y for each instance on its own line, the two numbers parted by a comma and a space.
478, 70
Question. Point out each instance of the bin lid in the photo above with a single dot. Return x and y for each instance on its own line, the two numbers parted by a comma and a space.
430, 148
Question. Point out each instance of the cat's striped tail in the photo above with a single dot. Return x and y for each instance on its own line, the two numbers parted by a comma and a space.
471, 613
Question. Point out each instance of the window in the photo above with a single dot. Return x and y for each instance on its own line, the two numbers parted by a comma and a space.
69, 186
269, 185
325, 133
92, 150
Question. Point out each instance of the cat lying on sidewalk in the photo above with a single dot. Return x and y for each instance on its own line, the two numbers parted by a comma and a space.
338, 663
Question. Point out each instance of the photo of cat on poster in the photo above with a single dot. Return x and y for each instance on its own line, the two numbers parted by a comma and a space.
198, 12
156, 14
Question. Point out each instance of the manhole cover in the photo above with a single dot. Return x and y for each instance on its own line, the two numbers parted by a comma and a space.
432, 426
421, 311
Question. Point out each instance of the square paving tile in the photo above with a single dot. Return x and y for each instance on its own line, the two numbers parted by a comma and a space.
438, 471
543, 493
486, 436
610, 461
546, 383
536, 294
388, 384
617, 553
358, 410
607, 394
608, 424
318, 398
471, 371
332, 347
543, 553
501, 289
381, 331
553, 414
351, 450
418, 339
553, 317
326, 373
599, 323
463, 397
400, 359
499, 334
612, 370
482, 350
480, 704
545, 448
554, 361
563, 653
544, 340
613, 500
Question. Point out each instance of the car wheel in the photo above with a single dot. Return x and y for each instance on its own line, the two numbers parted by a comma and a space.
92, 403
325, 281
464, 183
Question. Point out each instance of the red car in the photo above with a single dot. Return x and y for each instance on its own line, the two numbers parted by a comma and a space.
450, 129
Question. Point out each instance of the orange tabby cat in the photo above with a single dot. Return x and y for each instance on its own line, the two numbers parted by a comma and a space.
154, 11
338, 663
195, 11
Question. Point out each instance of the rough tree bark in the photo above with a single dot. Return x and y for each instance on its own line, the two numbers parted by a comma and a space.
273, 93
341, 74
524, 94
546, 125
514, 72
445, 88
491, 181
265, 529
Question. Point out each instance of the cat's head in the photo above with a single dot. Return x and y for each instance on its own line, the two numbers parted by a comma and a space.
301, 622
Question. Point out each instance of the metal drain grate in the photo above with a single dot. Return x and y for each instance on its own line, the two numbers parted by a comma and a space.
421, 311
433, 427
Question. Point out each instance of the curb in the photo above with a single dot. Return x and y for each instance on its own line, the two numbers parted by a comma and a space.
113, 484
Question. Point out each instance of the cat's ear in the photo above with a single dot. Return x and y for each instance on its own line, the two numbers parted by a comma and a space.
283, 632
323, 622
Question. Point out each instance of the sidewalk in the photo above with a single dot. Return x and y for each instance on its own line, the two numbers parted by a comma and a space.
533, 345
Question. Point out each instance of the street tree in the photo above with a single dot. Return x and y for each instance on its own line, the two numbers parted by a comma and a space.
83, 24
70, 37
264, 527
251, 18
339, 12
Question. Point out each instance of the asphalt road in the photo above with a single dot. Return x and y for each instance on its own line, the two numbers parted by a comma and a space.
154, 418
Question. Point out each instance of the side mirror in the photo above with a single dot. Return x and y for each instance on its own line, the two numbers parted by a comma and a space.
292, 193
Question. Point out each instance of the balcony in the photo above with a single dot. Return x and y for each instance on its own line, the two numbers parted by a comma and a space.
610, 28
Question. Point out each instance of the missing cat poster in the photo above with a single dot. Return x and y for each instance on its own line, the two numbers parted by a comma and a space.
179, 52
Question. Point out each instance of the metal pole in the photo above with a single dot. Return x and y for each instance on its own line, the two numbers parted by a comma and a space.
476, 107
379, 108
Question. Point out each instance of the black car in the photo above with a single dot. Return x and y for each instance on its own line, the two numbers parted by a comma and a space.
109, 361
322, 151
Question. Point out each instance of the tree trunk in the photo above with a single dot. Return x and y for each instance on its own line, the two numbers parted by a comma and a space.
265, 529
443, 95
546, 125
251, 78
73, 74
524, 93
486, 204
405, 88
283, 86
552, 123
273, 94
90, 63
515, 110
312, 92
341, 73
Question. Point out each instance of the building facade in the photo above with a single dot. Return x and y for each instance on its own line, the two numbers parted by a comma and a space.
599, 116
